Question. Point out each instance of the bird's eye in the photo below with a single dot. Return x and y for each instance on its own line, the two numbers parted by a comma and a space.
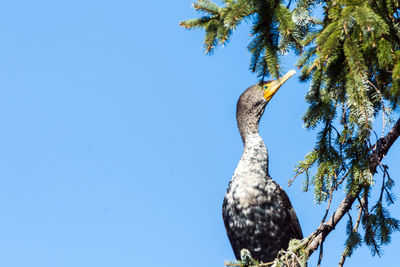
267, 86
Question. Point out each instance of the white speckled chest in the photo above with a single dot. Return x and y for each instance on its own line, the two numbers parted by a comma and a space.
254, 213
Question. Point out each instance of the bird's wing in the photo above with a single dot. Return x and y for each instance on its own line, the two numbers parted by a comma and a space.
285, 202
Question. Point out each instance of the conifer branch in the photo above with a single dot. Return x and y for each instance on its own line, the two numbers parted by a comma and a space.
347, 251
380, 150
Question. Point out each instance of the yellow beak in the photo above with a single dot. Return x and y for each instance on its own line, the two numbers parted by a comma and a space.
272, 87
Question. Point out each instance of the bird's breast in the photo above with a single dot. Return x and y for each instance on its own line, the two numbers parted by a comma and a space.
255, 218
243, 193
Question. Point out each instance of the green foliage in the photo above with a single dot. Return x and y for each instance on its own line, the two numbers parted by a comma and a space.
353, 66
377, 223
218, 22
273, 29
354, 239
352, 59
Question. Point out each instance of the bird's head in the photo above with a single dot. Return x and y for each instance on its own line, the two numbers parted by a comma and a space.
253, 101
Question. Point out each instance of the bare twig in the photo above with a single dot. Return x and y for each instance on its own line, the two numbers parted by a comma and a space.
266, 264
383, 167
358, 220
341, 180
343, 258
297, 259
297, 174
240, 265
321, 254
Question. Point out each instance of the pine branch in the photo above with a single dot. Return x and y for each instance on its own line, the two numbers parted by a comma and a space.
380, 150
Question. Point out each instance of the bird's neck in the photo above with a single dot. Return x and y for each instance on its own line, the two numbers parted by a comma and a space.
248, 126
255, 156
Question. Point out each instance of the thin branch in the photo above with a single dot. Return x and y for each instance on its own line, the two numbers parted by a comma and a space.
266, 264
321, 254
341, 180
358, 220
297, 174
383, 182
241, 265
328, 206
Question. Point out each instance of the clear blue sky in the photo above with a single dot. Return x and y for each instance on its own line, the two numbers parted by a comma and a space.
118, 138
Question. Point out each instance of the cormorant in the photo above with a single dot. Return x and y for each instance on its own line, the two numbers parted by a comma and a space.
257, 212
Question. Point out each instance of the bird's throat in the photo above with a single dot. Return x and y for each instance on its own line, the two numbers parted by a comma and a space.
254, 159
